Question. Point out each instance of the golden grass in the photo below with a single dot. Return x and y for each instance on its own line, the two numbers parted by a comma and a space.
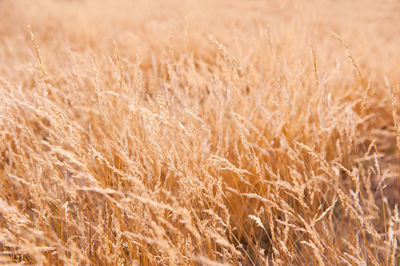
199, 132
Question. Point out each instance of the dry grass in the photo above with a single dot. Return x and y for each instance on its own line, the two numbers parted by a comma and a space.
199, 132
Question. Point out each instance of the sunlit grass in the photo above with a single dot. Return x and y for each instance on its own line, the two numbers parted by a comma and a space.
199, 132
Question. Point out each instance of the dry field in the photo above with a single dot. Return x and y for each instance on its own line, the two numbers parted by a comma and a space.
183, 132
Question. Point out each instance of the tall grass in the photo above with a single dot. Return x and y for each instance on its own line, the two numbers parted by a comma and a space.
199, 132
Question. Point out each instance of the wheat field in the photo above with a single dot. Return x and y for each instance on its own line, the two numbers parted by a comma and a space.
182, 132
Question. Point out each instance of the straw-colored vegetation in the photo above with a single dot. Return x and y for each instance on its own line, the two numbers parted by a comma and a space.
179, 132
